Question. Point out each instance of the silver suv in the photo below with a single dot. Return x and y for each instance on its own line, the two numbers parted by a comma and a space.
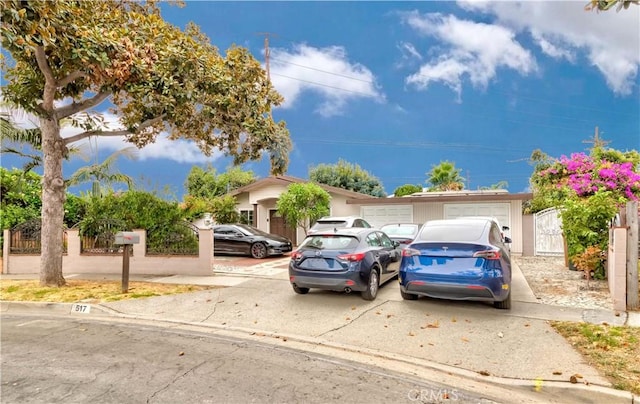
334, 222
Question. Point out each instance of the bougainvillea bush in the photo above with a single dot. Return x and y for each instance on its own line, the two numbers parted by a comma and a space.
589, 190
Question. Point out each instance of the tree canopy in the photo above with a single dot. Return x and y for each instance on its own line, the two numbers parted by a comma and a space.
604, 5
348, 176
68, 57
208, 183
406, 189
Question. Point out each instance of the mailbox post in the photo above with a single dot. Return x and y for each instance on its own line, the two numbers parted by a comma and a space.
126, 239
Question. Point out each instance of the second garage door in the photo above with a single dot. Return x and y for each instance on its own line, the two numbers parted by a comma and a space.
498, 210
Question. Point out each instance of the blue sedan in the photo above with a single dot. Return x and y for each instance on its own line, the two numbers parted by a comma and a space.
460, 259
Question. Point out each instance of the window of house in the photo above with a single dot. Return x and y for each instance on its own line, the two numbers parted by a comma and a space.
246, 217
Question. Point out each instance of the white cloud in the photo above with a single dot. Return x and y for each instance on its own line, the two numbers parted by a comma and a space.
180, 151
609, 40
471, 49
555, 50
326, 72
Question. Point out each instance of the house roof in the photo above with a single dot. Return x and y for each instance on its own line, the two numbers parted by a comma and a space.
451, 196
286, 180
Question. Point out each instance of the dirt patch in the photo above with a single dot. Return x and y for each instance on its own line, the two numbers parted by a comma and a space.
553, 283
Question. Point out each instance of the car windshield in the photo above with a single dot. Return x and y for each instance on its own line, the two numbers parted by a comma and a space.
329, 224
452, 232
250, 230
400, 230
330, 242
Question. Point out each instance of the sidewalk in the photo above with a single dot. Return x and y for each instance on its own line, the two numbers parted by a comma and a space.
465, 343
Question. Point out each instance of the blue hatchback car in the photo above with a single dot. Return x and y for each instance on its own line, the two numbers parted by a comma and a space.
459, 259
345, 259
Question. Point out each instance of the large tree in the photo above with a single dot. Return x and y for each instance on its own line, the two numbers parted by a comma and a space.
67, 57
347, 176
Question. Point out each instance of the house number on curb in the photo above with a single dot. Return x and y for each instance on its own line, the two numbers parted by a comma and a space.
80, 308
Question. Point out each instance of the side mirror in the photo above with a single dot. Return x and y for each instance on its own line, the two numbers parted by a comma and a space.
396, 244
507, 240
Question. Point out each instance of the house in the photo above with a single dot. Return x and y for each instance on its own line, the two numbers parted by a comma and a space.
257, 204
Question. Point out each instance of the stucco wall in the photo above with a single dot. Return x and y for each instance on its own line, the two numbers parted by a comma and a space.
617, 267
139, 263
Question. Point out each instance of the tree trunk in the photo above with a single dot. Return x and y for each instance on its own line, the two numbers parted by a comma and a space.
53, 196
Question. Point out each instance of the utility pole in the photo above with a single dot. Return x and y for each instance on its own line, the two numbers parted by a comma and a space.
267, 51
597, 142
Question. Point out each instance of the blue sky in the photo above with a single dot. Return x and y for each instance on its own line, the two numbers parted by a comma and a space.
398, 87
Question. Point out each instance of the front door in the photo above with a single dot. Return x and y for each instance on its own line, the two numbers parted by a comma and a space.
279, 227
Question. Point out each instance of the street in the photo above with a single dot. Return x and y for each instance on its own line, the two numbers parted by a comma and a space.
49, 359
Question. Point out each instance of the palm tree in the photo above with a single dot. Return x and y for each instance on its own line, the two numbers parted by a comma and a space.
13, 134
102, 173
445, 177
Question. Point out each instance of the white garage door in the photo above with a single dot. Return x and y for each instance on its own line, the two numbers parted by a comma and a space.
498, 210
381, 215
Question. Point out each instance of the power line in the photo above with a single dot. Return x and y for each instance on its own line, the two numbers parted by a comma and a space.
324, 71
322, 85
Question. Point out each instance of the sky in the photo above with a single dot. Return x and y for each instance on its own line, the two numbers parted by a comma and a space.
398, 87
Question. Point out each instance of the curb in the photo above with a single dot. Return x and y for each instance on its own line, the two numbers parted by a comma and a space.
497, 387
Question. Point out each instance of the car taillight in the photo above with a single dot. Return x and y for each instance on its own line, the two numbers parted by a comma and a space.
296, 255
406, 241
352, 257
488, 255
410, 252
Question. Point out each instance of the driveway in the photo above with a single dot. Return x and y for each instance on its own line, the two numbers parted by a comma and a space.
515, 343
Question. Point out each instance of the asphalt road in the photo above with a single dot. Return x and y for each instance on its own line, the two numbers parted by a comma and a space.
51, 359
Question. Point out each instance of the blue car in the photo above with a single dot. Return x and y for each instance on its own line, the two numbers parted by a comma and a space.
345, 259
459, 259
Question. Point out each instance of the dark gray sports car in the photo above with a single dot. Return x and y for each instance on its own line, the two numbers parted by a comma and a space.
247, 240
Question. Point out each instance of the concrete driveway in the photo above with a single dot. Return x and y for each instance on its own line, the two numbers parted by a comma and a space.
515, 343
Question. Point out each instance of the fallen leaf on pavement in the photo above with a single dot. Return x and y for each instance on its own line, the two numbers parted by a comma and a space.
389, 315
453, 320
353, 307
348, 318
435, 324
181, 354
484, 373
557, 372
573, 379
464, 339
500, 334
411, 334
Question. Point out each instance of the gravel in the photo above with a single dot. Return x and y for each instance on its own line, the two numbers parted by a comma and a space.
553, 283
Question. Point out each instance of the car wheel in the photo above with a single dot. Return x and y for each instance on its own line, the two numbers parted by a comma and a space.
258, 250
299, 290
408, 296
505, 304
372, 286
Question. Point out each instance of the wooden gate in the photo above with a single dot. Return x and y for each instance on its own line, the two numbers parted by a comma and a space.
548, 233
279, 226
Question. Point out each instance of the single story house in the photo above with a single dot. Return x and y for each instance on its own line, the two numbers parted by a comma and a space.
257, 203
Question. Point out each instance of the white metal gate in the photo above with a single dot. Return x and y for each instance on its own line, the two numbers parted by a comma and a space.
548, 232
